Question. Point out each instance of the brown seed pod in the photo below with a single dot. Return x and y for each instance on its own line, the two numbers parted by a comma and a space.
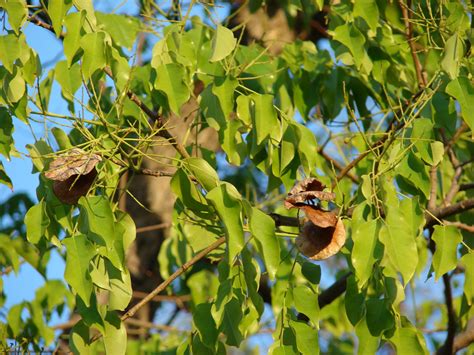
306, 190
318, 243
70, 190
73, 162
73, 174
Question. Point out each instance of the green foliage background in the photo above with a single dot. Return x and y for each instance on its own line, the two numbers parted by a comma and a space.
387, 125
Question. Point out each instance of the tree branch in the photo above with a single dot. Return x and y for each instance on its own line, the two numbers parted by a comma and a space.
465, 338
334, 291
432, 217
336, 164
447, 348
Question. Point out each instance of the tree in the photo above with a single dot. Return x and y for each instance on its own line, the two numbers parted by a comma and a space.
263, 162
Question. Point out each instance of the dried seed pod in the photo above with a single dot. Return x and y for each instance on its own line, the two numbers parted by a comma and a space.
70, 190
73, 162
320, 243
306, 190
319, 217
73, 174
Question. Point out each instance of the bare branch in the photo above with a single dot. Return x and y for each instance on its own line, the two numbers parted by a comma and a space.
465, 338
460, 225
153, 227
447, 348
433, 217
336, 164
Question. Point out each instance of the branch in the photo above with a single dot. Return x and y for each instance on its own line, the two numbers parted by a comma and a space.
409, 36
467, 186
334, 291
336, 164
433, 217
175, 275
465, 338
460, 225
447, 348
153, 227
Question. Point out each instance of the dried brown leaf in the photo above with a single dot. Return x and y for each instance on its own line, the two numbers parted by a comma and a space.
72, 163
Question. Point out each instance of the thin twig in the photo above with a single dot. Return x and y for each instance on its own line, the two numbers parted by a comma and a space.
179, 300
153, 227
434, 187
336, 164
409, 35
161, 287
460, 225
154, 116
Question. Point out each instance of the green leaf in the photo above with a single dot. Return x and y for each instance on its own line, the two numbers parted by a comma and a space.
115, 335
6, 133
79, 338
224, 89
307, 147
379, 317
453, 53
120, 288
79, 253
408, 340
462, 90
312, 272
37, 222
262, 228
96, 220
367, 343
69, 77
72, 40
94, 46
265, 119
354, 301
230, 324
205, 324
61, 138
365, 236
223, 43
350, 36
447, 239
368, 10
57, 9
14, 318
468, 261
17, 13
203, 172
123, 29
16, 87
170, 79
415, 173
12, 48
306, 302
429, 150
4, 178
307, 340
229, 209
88, 8
402, 225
